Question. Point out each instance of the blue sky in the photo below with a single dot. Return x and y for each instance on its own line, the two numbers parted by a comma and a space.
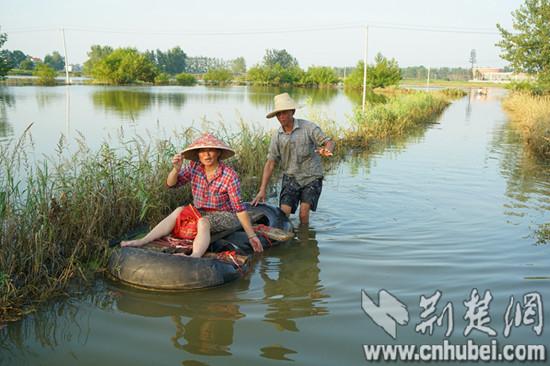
422, 32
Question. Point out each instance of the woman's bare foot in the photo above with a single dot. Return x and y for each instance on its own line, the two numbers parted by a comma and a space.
181, 254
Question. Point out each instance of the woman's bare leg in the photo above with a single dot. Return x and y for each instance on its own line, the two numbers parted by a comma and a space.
202, 240
163, 228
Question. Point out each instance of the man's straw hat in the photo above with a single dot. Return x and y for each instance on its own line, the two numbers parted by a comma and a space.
207, 141
283, 102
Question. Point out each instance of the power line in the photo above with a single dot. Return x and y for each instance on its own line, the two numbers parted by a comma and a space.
406, 27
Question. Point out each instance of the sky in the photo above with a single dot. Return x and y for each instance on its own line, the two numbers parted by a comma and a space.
432, 33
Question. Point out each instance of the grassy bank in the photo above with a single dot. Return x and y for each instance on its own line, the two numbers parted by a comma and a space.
450, 83
531, 116
396, 117
57, 216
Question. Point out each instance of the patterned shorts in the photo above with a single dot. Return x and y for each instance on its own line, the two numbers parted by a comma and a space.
221, 220
293, 193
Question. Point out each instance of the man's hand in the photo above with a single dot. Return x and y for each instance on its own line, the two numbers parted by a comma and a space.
260, 198
324, 152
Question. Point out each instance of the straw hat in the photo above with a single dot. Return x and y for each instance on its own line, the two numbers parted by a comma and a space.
283, 102
207, 141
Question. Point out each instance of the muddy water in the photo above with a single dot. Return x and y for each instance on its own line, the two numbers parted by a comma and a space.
452, 208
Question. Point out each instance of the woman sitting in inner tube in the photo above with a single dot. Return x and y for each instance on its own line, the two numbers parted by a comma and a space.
216, 193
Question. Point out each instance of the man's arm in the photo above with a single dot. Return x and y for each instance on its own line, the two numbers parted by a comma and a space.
268, 171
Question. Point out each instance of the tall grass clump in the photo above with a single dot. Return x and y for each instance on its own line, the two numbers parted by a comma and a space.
57, 216
395, 117
453, 93
530, 114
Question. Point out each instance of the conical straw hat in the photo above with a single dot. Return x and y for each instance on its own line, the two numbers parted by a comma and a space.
207, 141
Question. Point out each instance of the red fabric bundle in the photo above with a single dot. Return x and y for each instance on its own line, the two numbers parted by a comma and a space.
186, 223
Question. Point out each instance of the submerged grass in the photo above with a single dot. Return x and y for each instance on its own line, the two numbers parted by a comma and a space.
531, 116
57, 216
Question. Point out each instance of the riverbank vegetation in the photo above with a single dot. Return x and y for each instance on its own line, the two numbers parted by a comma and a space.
529, 104
530, 114
58, 216
45, 74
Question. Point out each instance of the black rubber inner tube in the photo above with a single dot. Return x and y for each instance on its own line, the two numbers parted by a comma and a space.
151, 269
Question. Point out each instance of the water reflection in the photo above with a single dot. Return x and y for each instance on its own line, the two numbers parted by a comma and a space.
55, 325
356, 96
130, 103
204, 325
44, 98
292, 288
527, 178
7, 100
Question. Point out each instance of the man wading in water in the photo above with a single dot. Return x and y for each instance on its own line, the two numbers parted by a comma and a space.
298, 146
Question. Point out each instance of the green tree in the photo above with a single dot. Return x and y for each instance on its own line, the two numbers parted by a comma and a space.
26, 64
185, 79
96, 54
382, 74
45, 73
124, 66
55, 61
218, 76
279, 57
258, 75
201, 64
4, 63
528, 47
13, 58
238, 65
173, 61
320, 76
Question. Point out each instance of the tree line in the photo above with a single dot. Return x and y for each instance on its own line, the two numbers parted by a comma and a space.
121, 66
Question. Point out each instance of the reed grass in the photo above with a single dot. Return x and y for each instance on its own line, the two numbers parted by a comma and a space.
530, 115
395, 118
57, 216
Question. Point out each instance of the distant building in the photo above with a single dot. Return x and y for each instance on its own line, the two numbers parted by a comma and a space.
498, 75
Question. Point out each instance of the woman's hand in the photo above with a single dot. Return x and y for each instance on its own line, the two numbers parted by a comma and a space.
177, 161
256, 244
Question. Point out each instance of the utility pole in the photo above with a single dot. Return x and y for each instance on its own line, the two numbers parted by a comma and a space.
428, 80
365, 67
67, 81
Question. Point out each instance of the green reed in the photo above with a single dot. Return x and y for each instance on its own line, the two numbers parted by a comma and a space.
58, 215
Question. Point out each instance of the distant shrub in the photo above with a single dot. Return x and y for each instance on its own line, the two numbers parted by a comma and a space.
162, 79
185, 79
46, 74
218, 76
319, 76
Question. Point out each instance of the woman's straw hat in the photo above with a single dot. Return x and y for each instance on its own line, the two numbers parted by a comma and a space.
207, 141
283, 102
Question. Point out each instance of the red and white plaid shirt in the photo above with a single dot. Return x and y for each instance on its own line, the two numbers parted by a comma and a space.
222, 193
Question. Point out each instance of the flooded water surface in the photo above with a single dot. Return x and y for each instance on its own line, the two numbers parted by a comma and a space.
447, 214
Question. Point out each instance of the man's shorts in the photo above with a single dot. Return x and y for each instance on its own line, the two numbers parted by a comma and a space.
292, 193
